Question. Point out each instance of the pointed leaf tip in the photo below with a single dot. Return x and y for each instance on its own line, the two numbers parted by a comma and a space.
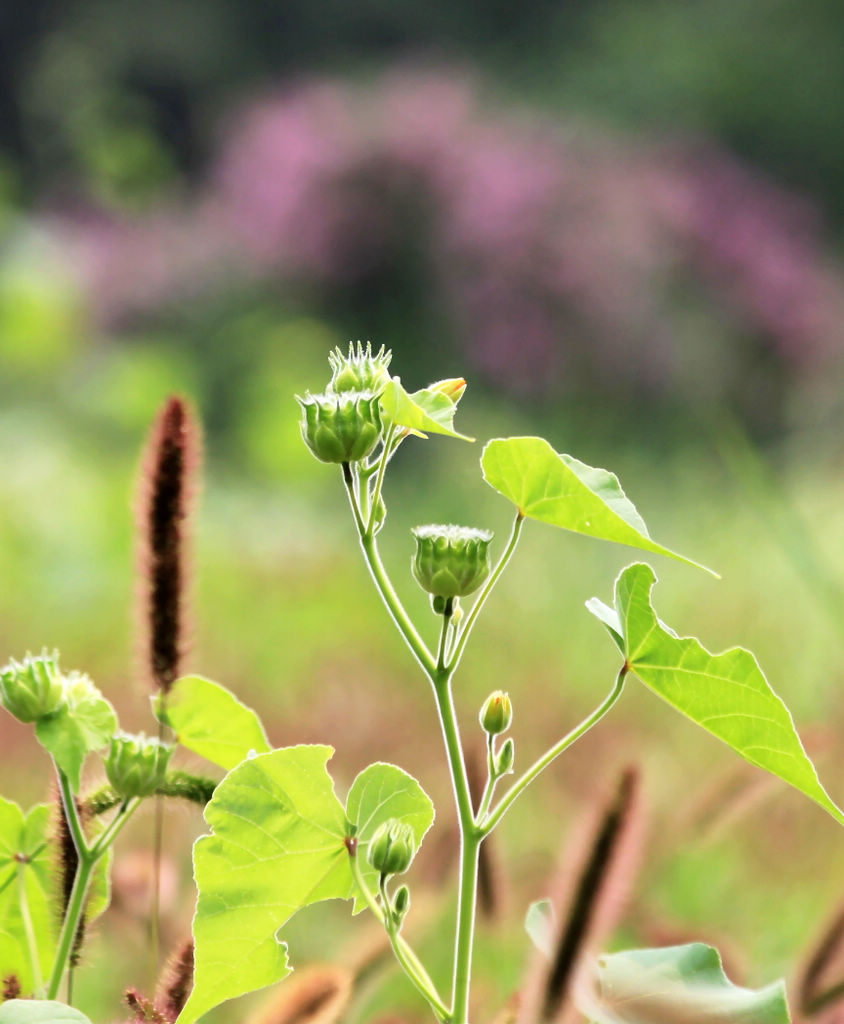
564, 492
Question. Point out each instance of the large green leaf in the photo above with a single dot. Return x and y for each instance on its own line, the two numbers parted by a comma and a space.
39, 1011
212, 722
23, 845
86, 722
560, 490
677, 985
278, 845
384, 791
424, 412
727, 694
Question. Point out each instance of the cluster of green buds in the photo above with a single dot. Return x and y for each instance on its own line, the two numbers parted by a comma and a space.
392, 847
451, 561
33, 688
136, 765
344, 423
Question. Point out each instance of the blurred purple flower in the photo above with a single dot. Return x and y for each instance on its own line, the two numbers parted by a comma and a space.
554, 245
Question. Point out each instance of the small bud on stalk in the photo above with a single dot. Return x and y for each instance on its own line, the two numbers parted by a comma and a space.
506, 758
32, 688
343, 427
136, 765
392, 847
360, 370
401, 904
451, 561
497, 713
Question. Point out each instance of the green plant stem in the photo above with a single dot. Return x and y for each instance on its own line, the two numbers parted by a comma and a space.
88, 858
491, 780
379, 480
75, 908
471, 619
538, 766
410, 963
385, 588
31, 941
470, 840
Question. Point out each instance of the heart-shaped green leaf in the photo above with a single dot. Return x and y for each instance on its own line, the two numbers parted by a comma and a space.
727, 694
384, 791
278, 845
39, 1011
676, 985
211, 721
561, 491
86, 722
23, 847
424, 412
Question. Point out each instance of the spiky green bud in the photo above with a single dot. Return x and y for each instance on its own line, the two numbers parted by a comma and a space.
451, 561
32, 688
343, 427
392, 847
136, 765
360, 370
497, 713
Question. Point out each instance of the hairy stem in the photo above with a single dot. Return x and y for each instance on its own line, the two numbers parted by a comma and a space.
538, 766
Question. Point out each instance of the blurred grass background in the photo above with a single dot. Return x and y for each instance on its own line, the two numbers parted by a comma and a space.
622, 223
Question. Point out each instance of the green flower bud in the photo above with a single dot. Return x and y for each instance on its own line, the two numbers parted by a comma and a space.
32, 688
392, 847
136, 765
342, 427
497, 713
401, 904
360, 370
506, 758
451, 561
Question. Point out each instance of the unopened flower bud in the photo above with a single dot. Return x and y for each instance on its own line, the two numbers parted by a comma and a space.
452, 387
401, 904
360, 370
496, 713
32, 688
136, 765
451, 561
392, 847
506, 757
341, 427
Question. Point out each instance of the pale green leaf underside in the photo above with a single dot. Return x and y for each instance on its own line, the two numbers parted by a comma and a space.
74, 731
424, 412
384, 791
541, 926
27, 836
39, 1011
212, 722
727, 694
564, 492
677, 985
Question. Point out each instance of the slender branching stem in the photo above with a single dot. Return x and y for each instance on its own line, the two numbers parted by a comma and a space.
71, 813
29, 930
491, 780
105, 840
553, 752
472, 617
379, 479
410, 963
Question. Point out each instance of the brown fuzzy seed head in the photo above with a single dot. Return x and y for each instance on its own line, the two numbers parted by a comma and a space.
11, 987
67, 861
144, 1010
177, 980
167, 487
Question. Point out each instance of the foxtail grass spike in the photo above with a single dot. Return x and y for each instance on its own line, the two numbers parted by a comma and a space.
318, 994
11, 987
167, 487
145, 1011
177, 980
67, 862
813, 989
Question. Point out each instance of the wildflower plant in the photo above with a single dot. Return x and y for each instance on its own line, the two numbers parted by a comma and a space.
281, 838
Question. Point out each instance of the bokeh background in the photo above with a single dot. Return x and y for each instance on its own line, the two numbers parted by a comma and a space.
621, 222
